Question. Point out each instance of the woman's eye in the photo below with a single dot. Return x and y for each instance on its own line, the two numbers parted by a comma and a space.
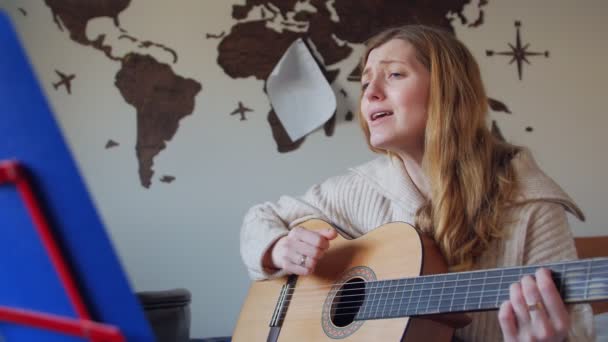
364, 85
395, 74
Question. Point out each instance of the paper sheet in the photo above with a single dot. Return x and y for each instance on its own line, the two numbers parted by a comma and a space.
299, 93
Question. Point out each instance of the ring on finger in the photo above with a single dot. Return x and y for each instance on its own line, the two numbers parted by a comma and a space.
535, 306
302, 260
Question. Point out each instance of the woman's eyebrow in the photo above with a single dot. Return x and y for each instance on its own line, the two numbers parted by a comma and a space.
385, 62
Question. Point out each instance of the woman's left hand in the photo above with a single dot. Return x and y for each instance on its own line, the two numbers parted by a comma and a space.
534, 311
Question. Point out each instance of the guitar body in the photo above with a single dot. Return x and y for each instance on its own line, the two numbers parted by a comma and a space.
391, 251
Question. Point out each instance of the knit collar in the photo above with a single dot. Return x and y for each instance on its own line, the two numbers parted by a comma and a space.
535, 185
388, 175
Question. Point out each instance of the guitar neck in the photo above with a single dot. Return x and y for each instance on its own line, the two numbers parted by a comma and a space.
577, 281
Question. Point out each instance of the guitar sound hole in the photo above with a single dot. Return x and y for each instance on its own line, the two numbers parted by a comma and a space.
347, 302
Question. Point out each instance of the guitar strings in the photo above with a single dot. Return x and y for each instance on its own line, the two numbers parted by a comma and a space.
392, 312
571, 286
307, 292
297, 312
600, 263
395, 309
469, 295
598, 285
397, 312
376, 284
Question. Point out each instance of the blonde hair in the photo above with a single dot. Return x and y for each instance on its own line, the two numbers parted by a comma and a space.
469, 169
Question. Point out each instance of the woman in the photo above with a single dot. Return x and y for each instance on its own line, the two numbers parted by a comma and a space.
485, 202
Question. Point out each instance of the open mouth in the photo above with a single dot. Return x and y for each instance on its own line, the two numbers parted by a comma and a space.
379, 115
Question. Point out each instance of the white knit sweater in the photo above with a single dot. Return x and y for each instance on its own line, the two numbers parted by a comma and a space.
381, 191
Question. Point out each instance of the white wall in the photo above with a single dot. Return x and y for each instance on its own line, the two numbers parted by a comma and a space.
185, 234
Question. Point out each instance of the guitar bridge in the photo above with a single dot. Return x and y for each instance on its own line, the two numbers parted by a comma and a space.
280, 309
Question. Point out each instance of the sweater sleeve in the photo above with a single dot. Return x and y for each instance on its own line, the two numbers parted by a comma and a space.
549, 239
347, 202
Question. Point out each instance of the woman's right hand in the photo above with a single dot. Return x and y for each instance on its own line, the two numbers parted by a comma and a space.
299, 251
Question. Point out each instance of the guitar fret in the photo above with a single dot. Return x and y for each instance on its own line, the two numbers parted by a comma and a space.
576, 281
499, 288
492, 288
459, 302
384, 298
407, 297
441, 295
561, 280
466, 296
587, 279
452, 297
425, 296
474, 290
381, 299
426, 292
411, 284
482, 290
402, 294
390, 297
378, 297
507, 277
380, 291
393, 292
418, 291
366, 300
387, 293
436, 294
530, 270
436, 291
375, 289
458, 291
504, 289
400, 301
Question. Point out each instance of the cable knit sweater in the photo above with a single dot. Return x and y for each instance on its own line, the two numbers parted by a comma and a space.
381, 191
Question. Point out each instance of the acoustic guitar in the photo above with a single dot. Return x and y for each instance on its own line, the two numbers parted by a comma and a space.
391, 285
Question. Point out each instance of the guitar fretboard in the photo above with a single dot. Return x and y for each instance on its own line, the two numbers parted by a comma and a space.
577, 281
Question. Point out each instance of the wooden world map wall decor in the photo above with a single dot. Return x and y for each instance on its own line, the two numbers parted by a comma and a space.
160, 96
241, 110
215, 36
65, 80
262, 31
167, 179
111, 144
519, 52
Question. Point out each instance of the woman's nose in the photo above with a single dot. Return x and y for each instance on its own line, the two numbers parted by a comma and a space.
374, 91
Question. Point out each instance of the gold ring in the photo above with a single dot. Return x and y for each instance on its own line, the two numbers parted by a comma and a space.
303, 260
536, 306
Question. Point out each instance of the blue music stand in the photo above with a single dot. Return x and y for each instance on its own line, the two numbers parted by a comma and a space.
29, 134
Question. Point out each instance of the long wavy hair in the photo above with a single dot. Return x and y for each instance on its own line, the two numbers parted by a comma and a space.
469, 169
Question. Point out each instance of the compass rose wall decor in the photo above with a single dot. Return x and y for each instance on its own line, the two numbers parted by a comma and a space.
519, 52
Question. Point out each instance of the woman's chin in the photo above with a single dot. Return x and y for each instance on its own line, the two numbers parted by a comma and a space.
379, 143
